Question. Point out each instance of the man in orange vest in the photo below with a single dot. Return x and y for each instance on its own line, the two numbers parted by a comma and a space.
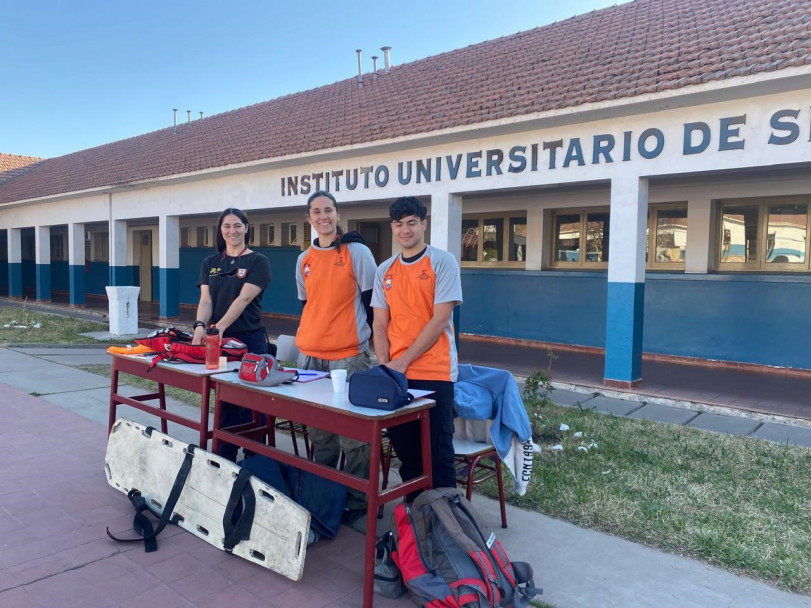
414, 296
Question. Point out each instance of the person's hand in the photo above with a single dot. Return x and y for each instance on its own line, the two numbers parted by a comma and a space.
397, 365
199, 336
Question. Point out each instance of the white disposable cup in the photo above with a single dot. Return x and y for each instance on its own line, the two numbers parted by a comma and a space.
338, 380
223, 362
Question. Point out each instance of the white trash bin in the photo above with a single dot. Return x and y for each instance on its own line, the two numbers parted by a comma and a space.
123, 310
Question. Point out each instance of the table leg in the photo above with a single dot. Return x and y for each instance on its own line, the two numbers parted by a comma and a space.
425, 432
372, 498
113, 393
215, 441
204, 398
162, 405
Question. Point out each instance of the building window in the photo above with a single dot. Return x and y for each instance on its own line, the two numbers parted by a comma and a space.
205, 236
267, 235
290, 234
490, 240
580, 239
666, 237
764, 234
58, 252
101, 247
185, 237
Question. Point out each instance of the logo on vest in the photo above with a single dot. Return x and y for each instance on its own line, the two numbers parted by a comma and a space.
387, 282
424, 276
306, 270
340, 261
242, 273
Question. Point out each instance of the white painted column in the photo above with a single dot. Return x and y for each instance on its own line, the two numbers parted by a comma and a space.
536, 241
698, 257
169, 260
446, 233
76, 262
625, 293
15, 263
120, 273
446, 223
42, 258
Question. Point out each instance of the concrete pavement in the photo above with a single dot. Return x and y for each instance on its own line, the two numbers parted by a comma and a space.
53, 548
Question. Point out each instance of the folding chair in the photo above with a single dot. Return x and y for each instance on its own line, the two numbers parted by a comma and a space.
476, 459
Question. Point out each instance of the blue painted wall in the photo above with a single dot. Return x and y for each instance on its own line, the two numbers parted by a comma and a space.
60, 275
280, 296
565, 307
747, 318
29, 276
97, 278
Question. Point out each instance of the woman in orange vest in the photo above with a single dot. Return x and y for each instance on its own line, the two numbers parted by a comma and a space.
335, 278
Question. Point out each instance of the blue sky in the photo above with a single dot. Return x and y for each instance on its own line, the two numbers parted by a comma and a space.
80, 73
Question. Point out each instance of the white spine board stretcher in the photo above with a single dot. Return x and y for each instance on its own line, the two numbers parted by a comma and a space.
149, 462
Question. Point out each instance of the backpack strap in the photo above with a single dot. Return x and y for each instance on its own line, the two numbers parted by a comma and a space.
526, 589
141, 524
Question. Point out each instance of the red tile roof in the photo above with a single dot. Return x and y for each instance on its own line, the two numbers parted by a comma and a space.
12, 165
620, 52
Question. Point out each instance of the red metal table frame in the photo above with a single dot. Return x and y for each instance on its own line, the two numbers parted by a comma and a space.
314, 404
188, 376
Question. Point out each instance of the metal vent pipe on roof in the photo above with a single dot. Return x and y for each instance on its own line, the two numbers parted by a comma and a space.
174, 111
386, 57
360, 67
374, 64
201, 114
188, 115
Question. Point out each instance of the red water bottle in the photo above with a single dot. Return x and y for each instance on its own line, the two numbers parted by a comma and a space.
212, 348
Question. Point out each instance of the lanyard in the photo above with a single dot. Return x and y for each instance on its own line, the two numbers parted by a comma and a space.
239, 256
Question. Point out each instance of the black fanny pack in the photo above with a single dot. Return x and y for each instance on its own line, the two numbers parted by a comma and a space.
380, 388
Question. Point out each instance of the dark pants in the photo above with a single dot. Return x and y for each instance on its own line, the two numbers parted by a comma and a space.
406, 438
257, 342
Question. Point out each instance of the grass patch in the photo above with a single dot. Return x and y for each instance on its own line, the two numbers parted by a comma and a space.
740, 503
31, 327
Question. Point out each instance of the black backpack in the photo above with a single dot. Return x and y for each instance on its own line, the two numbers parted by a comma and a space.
449, 557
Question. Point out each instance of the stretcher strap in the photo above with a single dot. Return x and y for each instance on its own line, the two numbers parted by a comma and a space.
238, 517
141, 523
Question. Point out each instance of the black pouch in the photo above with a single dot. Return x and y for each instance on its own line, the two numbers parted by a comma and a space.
380, 388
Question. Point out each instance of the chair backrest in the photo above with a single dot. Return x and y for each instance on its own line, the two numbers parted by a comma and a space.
286, 349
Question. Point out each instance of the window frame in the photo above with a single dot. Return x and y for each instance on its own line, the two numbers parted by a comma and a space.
505, 217
58, 250
763, 203
653, 215
582, 263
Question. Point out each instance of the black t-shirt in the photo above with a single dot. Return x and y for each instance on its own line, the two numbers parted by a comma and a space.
225, 277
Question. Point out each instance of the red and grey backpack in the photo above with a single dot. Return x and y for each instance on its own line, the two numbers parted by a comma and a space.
450, 558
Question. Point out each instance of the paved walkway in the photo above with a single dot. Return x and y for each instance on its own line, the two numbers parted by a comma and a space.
55, 504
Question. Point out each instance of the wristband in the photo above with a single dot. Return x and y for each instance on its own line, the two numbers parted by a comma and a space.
198, 324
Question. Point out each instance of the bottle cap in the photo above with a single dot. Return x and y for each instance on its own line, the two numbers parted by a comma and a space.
212, 331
